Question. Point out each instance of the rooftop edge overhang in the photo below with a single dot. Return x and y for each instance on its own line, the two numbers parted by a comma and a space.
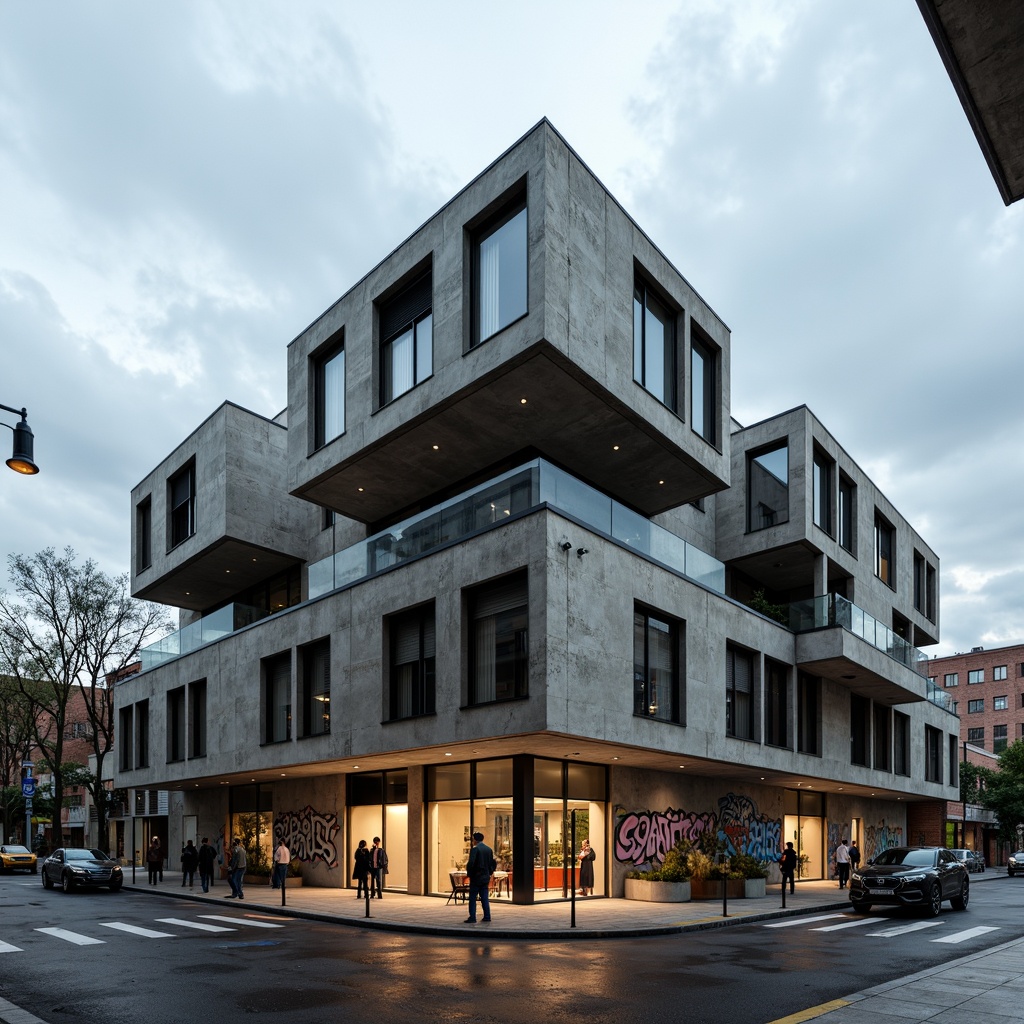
539, 402
837, 654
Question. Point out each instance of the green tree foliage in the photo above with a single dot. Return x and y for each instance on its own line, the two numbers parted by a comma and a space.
1004, 791
974, 780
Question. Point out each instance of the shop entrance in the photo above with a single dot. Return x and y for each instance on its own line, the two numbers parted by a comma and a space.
804, 826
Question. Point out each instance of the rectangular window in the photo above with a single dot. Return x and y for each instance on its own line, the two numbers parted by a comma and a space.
975, 707
998, 739
951, 679
316, 688
768, 487
999, 673
413, 660
657, 653
143, 535
197, 719
142, 734
808, 713
703, 387
933, 754
885, 550
882, 741
1000, 703
901, 743
406, 330
739, 693
860, 725
824, 469
499, 653
328, 395
931, 577
277, 699
181, 493
176, 724
954, 759
847, 512
976, 736
500, 273
975, 675
654, 344
920, 582
776, 705
125, 738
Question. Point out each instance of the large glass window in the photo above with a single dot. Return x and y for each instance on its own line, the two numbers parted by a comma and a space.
412, 663
176, 724
999, 739
656, 659
776, 705
125, 738
500, 273
824, 469
277, 699
378, 805
975, 676
933, 754
739, 693
860, 724
951, 679
847, 512
654, 344
704, 387
142, 734
808, 711
197, 719
885, 550
316, 688
406, 331
768, 487
498, 642
329, 395
182, 504
882, 740
901, 743
144, 534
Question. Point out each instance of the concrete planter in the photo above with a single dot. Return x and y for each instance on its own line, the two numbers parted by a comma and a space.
711, 888
657, 892
754, 888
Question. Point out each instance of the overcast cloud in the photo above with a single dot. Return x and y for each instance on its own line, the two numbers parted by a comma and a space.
184, 187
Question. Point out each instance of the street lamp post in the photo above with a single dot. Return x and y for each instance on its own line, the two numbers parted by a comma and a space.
21, 460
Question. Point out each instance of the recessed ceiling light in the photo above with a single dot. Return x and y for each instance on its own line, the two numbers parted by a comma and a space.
522, 401
355, 766
615, 447
615, 759
447, 753
661, 482
436, 447
227, 570
682, 766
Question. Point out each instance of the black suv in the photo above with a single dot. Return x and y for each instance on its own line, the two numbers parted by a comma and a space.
911, 876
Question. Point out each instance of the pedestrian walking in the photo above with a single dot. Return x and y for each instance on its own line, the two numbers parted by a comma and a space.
207, 858
480, 867
154, 860
378, 868
361, 870
843, 863
787, 865
189, 863
854, 856
282, 858
236, 869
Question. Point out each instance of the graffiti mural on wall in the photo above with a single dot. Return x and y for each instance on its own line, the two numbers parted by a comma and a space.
834, 835
309, 835
881, 837
645, 836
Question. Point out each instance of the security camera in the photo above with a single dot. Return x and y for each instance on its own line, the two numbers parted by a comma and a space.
580, 552
565, 545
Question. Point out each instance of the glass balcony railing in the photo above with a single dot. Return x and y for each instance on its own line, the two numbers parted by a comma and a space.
833, 610
535, 485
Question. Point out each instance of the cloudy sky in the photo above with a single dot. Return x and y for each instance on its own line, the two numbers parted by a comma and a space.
184, 187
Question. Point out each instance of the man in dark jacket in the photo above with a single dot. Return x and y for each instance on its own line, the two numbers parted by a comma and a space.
479, 870
207, 858
787, 865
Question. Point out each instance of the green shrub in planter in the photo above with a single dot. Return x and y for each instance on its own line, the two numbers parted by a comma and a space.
748, 867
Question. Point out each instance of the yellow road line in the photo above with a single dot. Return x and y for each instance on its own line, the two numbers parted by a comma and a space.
812, 1012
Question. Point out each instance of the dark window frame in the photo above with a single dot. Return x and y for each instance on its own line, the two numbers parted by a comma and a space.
277, 676
176, 724
932, 754
885, 550
777, 705
649, 693
860, 730
808, 733
709, 354
646, 298
760, 480
823, 470
323, 358
412, 681
735, 687
901, 744
315, 698
144, 534
498, 601
197, 718
181, 505
847, 519
515, 207
408, 311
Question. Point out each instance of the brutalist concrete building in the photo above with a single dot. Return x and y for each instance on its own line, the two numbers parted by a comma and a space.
506, 556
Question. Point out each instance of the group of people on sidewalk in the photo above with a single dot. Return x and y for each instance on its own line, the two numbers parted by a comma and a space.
369, 869
204, 859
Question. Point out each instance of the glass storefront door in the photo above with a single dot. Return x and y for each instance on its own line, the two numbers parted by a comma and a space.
804, 826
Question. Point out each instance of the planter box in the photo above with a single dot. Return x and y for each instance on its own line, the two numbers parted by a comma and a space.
711, 888
754, 888
657, 892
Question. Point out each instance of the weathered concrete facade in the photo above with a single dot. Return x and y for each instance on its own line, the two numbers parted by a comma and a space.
527, 600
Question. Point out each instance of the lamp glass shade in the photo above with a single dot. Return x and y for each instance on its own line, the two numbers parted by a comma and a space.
21, 460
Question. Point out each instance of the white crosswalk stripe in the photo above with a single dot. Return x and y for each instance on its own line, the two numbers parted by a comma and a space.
183, 923
859, 922
134, 929
903, 929
963, 936
803, 920
240, 921
75, 937
6, 947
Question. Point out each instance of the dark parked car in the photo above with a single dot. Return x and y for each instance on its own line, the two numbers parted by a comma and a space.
73, 868
911, 876
1015, 865
970, 859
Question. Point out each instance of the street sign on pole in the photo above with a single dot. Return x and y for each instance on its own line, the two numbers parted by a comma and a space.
28, 787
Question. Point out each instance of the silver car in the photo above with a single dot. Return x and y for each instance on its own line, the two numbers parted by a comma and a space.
974, 862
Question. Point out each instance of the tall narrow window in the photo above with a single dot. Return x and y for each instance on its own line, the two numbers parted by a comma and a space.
932, 754
920, 582
808, 715
329, 396
901, 743
882, 738
125, 738
499, 273
847, 513
197, 719
656, 659
999, 739
407, 338
739, 694
704, 387
654, 344
860, 724
776, 705
181, 492
885, 550
768, 488
142, 734
954, 759
412, 663
277, 699
824, 469
316, 688
144, 534
176, 724
498, 648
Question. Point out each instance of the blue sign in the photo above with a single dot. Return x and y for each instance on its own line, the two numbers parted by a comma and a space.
28, 787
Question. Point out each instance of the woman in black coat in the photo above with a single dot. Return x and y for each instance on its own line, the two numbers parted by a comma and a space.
361, 870
587, 858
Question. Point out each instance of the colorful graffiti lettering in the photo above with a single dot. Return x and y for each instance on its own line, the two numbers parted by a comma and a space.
881, 837
309, 835
642, 837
